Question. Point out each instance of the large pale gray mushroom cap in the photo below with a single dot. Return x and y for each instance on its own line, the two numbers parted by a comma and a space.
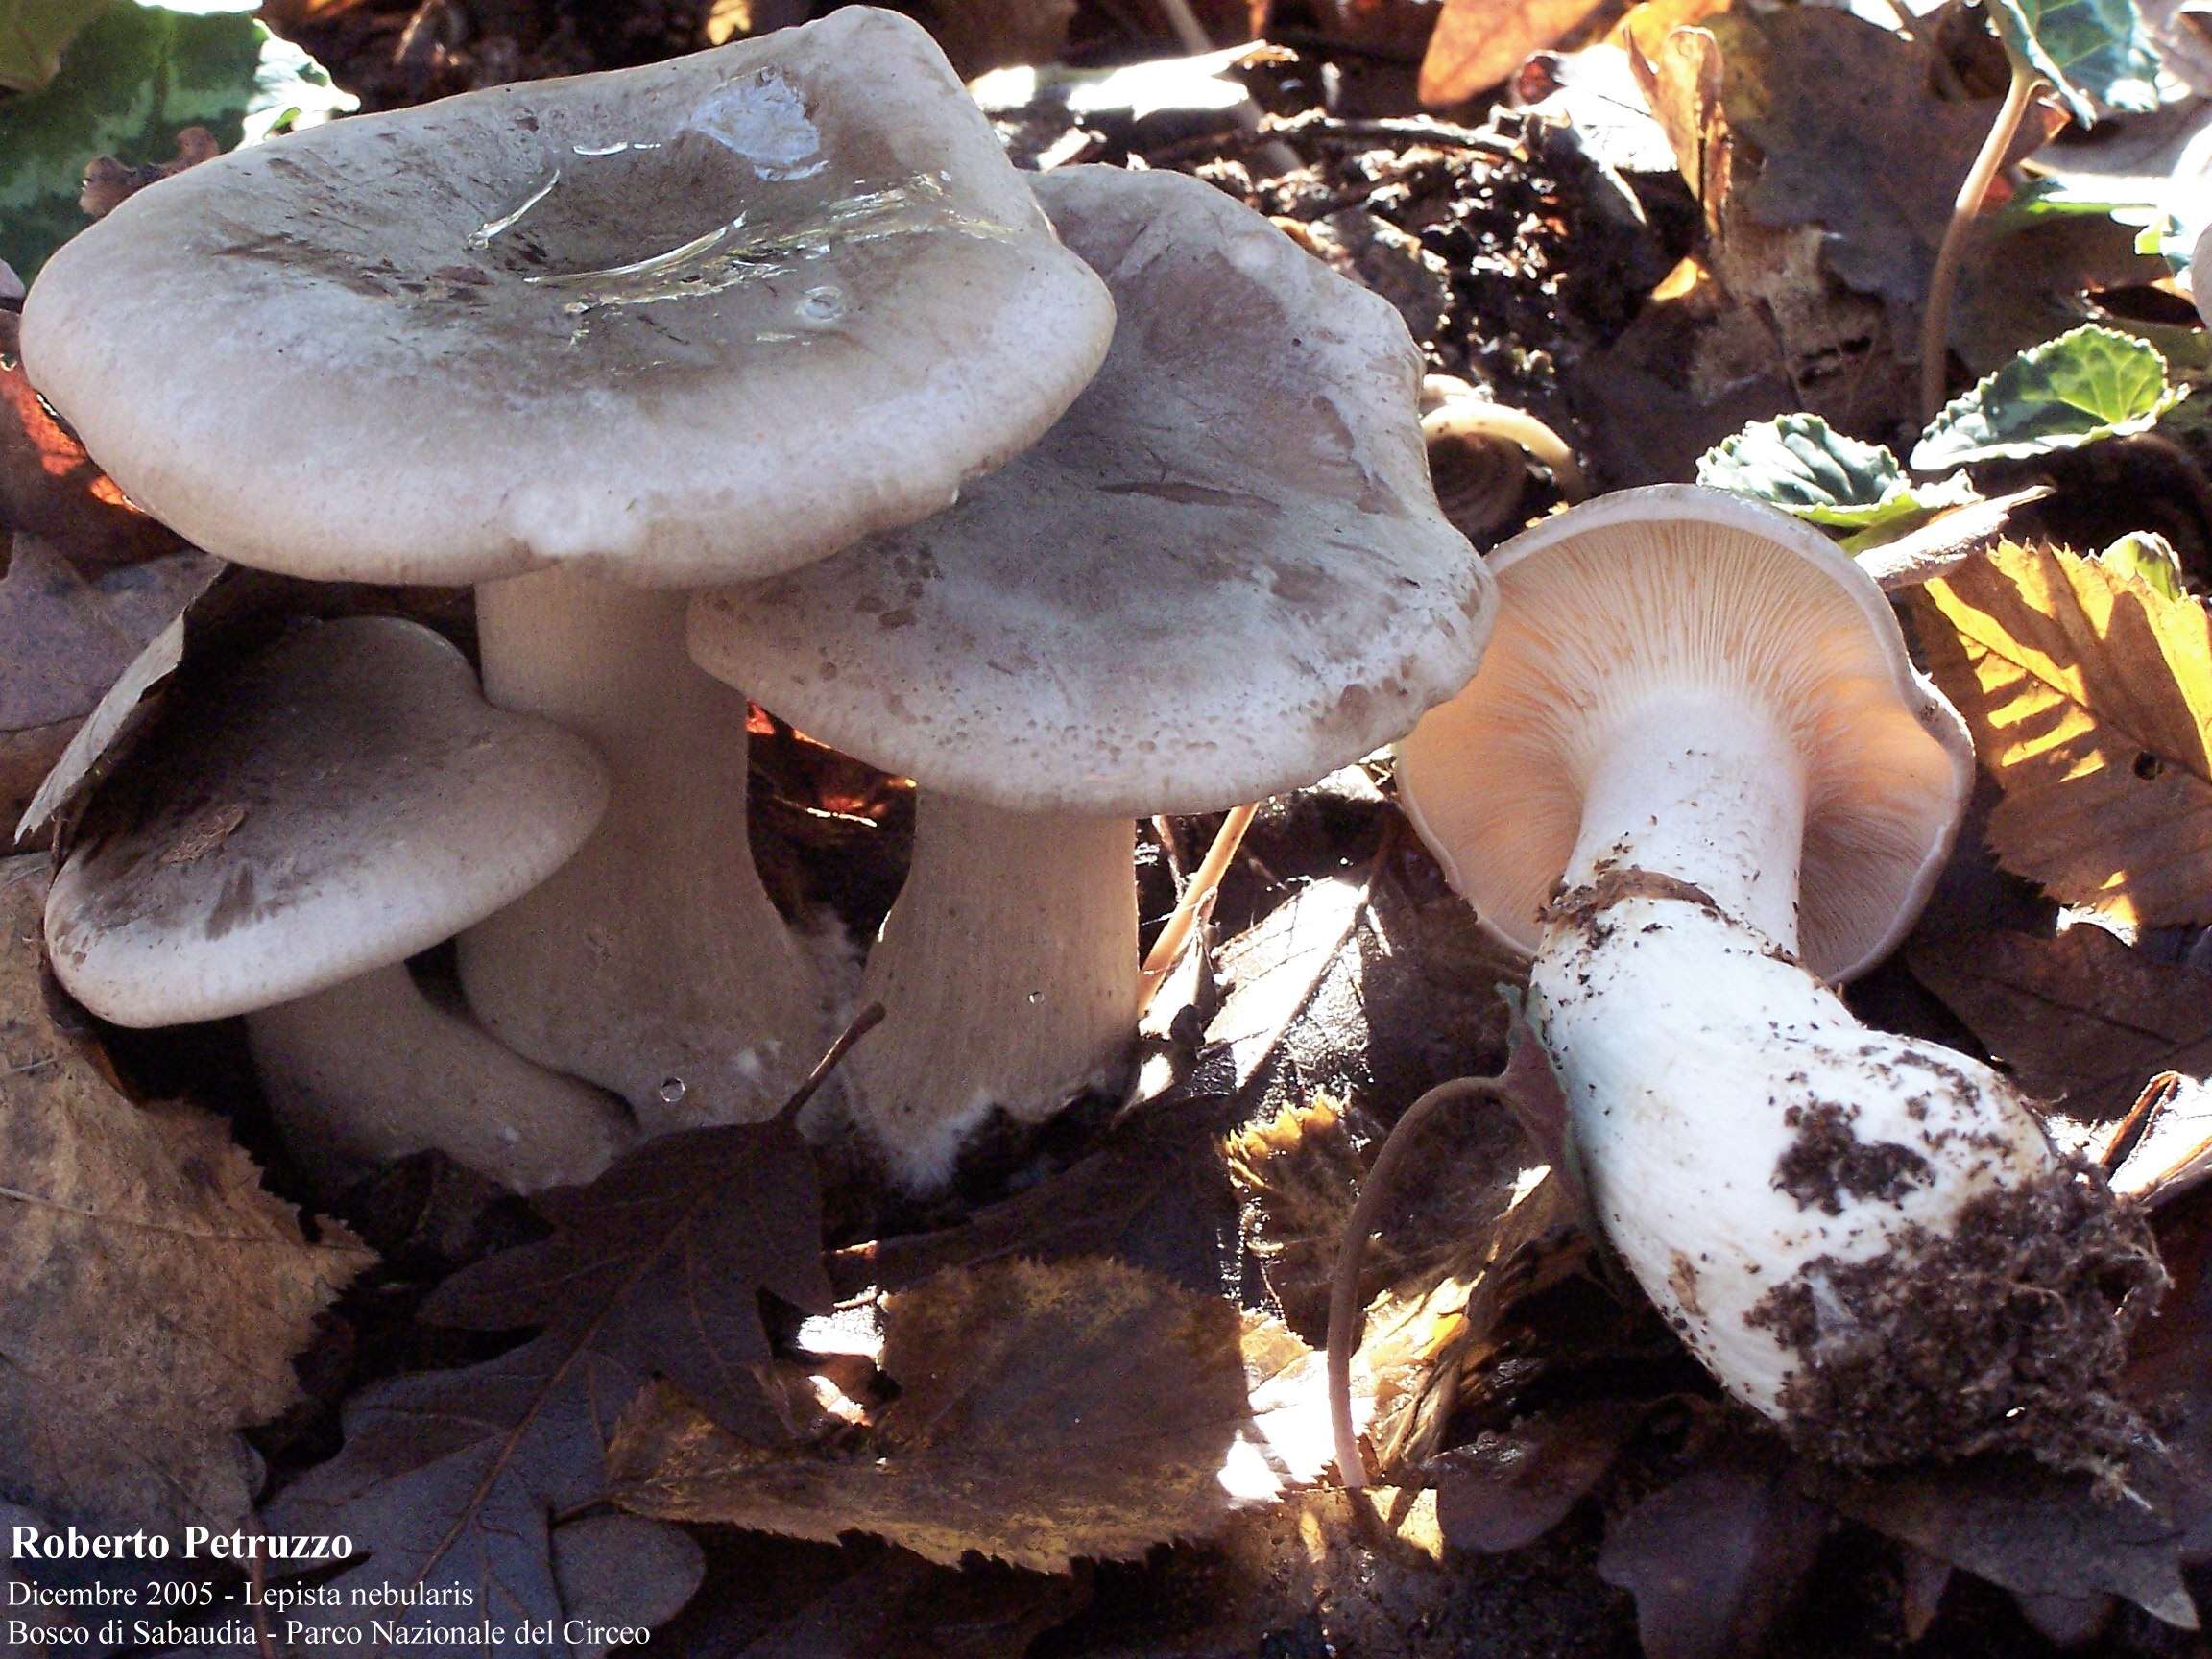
1223, 574
701, 320
344, 801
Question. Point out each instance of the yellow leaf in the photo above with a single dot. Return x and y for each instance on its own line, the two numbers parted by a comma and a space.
2090, 697
1479, 43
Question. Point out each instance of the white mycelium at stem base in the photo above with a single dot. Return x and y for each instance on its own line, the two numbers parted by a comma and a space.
652, 963
1009, 970
1697, 719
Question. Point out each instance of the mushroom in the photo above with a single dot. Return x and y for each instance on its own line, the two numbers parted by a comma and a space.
1223, 574
290, 835
587, 342
1698, 776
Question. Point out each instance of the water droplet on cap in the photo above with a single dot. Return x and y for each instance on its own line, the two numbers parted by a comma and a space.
672, 1091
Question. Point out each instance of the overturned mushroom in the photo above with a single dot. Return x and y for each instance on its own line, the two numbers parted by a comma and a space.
289, 837
1222, 574
588, 340
1698, 777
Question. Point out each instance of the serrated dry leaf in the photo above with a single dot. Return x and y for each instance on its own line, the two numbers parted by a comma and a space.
2080, 1020
1046, 1413
2090, 698
1478, 43
152, 1294
663, 1261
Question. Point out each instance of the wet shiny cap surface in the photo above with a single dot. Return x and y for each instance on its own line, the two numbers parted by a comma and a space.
704, 319
1222, 574
344, 800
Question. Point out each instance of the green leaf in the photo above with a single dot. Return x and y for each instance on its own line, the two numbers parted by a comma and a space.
135, 78
2087, 384
33, 34
2149, 555
1797, 463
2093, 52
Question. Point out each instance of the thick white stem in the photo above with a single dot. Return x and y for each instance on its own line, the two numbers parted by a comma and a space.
1008, 972
653, 962
1704, 788
371, 1069
1866, 1237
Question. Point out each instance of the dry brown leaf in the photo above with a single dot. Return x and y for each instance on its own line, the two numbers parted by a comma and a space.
50, 486
64, 637
2090, 698
1084, 1409
152, 1294
982, 35
2080, 1020
1478, 43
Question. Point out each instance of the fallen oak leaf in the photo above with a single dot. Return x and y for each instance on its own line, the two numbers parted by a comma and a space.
151, 1294
2089, 695
663, 1261
1046, 1413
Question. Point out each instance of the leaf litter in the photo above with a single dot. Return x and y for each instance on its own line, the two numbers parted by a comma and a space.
1081, 1398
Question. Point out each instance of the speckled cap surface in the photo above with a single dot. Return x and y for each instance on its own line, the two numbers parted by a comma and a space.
701, 320
343, 800
1222, 574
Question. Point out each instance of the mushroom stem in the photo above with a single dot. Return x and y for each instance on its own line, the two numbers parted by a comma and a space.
1936, 317
1008, 970
1866, 1237
1724, 812
371, 1068
653, 963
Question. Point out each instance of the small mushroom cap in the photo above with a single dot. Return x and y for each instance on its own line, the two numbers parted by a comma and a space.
1651, 591
345, 799
701, 320
1223, 574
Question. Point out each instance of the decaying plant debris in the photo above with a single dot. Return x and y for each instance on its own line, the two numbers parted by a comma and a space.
1070, 1400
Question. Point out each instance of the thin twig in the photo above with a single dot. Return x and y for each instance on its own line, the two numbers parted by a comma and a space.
863, 1022
1196, 901
1344, 1291
1935, 320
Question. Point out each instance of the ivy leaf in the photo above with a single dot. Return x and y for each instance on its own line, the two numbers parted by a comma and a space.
2089, 694
33, 34
1800, 464
135, 78
2087, 384
2093, 52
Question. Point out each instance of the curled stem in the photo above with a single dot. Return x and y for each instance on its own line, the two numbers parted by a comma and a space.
1936, 319
1344, 1289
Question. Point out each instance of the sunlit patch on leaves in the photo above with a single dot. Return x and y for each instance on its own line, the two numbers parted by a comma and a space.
1801, 465
1045, 1413
129, 83
2089, 383
2090, 698
2093, 52
2150, 559
1478, 43
152, 1294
